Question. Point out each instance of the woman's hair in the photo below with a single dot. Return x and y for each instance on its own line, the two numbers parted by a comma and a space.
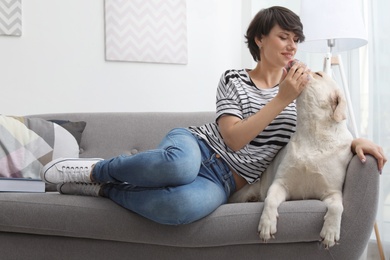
265, 20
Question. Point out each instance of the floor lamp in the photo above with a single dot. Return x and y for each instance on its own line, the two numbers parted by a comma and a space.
331, 27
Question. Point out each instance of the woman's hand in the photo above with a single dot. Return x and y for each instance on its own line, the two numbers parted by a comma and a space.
293, 82
361, 146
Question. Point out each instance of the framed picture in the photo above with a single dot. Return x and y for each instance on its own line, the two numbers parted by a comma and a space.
11, 17
146, 31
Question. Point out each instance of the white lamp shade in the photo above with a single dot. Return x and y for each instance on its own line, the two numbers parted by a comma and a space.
323, 20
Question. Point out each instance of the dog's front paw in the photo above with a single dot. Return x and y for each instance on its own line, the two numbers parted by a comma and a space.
330, 235
267, 228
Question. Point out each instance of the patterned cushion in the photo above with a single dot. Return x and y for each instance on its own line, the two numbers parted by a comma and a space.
26, 144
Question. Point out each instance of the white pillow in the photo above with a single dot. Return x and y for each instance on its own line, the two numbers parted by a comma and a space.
65, 145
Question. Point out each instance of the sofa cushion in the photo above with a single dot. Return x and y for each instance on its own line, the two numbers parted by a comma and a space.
22, 151
101, 219
65, 145
27, 144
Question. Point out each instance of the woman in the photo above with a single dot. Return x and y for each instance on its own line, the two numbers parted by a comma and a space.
195, 170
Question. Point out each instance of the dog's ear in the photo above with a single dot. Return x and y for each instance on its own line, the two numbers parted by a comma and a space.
339, 106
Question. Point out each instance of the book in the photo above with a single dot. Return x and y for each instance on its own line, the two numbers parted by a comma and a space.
21, 185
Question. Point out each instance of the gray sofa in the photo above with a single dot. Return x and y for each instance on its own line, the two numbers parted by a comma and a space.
53, 226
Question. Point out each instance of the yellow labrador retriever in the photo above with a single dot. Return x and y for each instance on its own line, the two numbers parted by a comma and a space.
312, 165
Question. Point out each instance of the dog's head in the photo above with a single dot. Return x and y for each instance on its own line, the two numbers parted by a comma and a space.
322, 98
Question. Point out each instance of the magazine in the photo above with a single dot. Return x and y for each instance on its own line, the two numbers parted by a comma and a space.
21, 185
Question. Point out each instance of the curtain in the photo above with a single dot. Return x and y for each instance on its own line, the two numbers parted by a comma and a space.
377, 124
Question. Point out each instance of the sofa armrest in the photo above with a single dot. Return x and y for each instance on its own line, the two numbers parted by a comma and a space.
360, 200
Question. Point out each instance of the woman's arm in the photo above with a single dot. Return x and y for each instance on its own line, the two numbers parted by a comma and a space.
237, 133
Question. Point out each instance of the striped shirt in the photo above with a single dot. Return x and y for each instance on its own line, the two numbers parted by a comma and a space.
237, 95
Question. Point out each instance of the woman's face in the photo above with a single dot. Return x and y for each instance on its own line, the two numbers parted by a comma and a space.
278, 47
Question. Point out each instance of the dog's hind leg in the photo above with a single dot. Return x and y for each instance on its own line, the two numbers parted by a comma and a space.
268, 220
330, 232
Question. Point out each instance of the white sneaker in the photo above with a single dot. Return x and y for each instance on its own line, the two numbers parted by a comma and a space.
68, 170
75, 188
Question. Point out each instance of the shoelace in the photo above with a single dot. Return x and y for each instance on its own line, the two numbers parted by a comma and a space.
91, 189
76, 174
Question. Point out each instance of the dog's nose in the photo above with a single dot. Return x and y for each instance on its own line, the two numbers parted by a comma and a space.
290, 64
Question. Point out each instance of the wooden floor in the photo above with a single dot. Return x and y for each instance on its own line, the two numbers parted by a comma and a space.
373, 252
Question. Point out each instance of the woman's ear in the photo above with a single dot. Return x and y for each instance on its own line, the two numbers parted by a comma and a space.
258, 42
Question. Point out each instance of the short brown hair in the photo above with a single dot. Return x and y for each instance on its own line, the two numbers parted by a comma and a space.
265, 20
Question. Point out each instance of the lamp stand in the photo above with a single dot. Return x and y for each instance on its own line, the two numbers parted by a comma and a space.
329, 62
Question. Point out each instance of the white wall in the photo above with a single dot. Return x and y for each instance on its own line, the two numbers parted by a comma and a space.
58, 64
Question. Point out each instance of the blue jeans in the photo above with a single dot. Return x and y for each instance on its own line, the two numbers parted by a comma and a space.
181, 181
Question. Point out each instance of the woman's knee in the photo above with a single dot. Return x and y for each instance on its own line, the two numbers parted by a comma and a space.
183, 159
